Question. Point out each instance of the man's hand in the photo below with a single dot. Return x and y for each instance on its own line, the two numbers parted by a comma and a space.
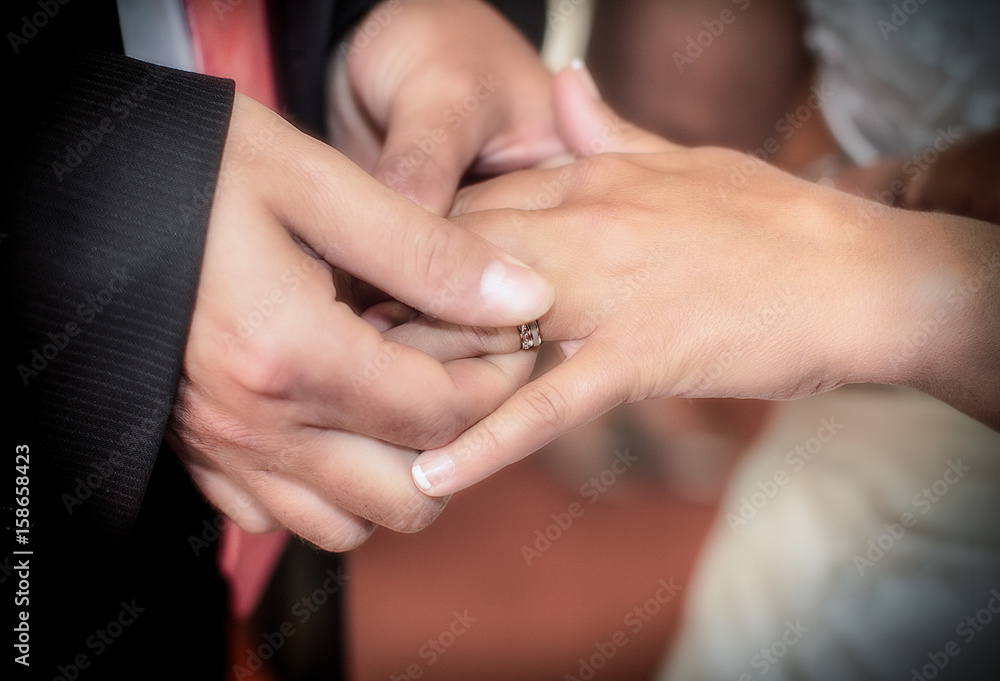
294, 410
445, 87
707, 273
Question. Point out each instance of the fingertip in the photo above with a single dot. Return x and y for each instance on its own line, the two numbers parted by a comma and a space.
588, 125
515, 290
433, 473
584, 79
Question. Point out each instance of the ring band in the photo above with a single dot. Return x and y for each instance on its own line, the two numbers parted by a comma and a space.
531, 337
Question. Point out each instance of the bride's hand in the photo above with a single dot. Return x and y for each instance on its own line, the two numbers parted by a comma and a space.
688, 272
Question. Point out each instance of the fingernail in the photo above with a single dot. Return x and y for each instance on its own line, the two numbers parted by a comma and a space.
585, 79
516, 290
433, 471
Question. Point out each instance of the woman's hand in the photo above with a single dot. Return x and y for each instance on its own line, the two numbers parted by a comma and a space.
697, 273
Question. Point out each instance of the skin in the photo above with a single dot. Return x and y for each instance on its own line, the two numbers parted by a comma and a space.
292, 409
305, 416
701, 273
449, 85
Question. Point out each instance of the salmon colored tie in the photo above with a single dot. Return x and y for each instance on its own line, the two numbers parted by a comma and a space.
232, 41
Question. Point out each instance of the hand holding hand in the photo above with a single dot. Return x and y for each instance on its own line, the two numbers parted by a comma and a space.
292, 408
696, 273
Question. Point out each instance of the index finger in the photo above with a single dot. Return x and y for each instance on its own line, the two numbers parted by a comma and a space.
570, 395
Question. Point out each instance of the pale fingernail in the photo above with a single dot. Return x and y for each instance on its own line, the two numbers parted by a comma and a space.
518, 291
585, 79
433, 471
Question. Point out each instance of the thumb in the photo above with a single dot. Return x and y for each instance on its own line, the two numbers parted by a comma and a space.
589, 126
434, 266
355, 223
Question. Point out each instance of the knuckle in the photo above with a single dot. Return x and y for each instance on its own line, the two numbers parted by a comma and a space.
263, 367
602, 168
544, 405
415, 515
481, 444
430, 251
342, 535
254, 522
438, 425
484, 339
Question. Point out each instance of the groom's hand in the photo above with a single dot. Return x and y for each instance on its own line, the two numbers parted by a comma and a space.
445, 87
293, 410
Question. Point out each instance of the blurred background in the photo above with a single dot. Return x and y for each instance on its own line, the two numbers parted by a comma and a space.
680, 539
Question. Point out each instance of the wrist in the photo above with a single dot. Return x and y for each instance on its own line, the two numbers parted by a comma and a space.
884, 289
939, 297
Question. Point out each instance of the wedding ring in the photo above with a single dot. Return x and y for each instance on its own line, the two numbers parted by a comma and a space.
531, 337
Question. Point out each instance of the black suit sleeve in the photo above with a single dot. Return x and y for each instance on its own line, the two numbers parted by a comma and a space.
116, 167
115, 164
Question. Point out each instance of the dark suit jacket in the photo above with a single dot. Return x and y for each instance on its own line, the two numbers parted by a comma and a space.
114, 163
109, 187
